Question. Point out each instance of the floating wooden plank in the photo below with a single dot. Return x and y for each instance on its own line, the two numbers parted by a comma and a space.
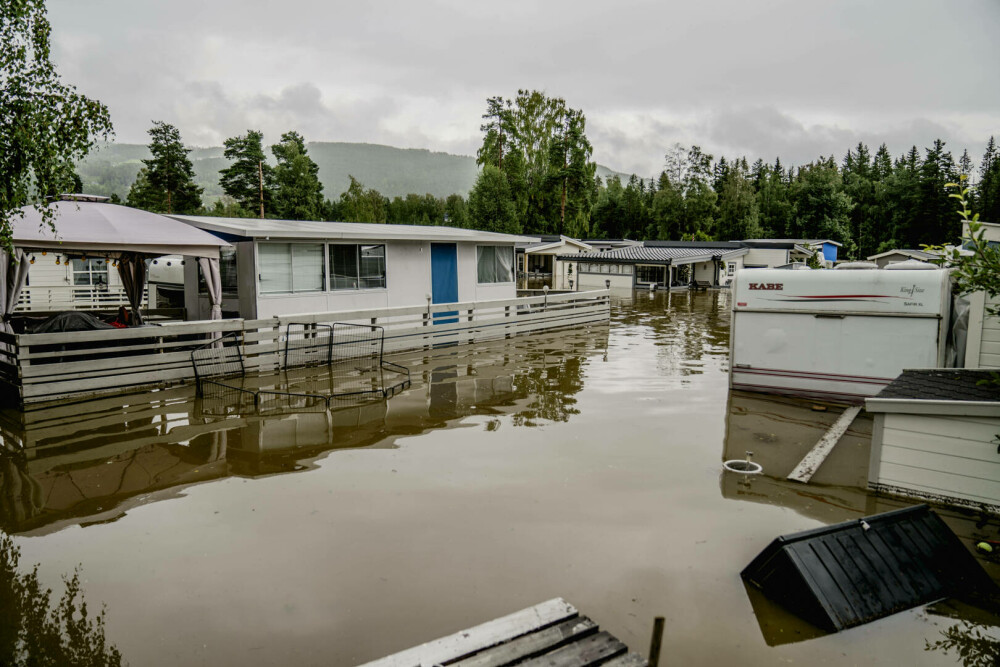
531, 645
811, 462
487, 635
593, 650
551, 634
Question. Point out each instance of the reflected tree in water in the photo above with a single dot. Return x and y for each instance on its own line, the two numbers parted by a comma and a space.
36, 633
550, 390
974, 647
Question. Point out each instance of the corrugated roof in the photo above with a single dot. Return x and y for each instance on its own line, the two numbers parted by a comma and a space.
650, 255
357, 231
950, 384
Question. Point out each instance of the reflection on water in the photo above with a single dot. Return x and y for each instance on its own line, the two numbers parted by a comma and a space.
58, 464
582, 464
39, 631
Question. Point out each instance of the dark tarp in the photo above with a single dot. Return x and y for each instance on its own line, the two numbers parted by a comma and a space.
70, 321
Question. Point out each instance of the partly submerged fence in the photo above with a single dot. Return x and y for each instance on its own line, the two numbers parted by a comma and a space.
44, 367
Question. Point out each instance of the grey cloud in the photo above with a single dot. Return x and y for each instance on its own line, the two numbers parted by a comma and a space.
417, 73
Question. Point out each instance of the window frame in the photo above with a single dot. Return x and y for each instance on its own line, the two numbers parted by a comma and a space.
511, 268
291, 277
89, 272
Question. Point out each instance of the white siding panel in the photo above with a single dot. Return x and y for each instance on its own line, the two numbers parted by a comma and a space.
942, 456
933, 463
981, 429
940, 483
989, 350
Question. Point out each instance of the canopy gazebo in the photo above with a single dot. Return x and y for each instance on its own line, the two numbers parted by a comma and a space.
88, 226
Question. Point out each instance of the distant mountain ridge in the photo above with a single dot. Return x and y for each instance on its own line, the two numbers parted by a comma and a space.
392, 171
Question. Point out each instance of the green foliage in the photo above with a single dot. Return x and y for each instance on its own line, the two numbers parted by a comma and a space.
45, 125
35, 633
359, 204
249, 179
822, 208
975, 266
988, 188
540, 147
298, 193
739, 215
491, 203
166, 184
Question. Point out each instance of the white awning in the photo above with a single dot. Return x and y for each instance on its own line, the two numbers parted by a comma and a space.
97, 227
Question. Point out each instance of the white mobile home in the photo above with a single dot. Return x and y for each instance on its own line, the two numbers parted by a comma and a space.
840, 335
282, 267
539, 259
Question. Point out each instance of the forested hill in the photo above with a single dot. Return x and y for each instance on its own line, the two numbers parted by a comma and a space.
391, 171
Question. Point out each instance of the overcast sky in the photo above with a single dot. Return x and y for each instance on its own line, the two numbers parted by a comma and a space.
788, 78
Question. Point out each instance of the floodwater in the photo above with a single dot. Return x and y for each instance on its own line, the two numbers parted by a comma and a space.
584, 465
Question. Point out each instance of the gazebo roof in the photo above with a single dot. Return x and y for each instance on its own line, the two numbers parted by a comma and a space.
93, 226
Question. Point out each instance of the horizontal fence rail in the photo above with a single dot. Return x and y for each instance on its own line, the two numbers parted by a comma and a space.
50, 366
73, 297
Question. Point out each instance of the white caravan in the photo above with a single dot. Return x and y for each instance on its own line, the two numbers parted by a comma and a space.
837, 335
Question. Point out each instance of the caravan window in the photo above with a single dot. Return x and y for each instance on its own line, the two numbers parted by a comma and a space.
495, 264
290, 267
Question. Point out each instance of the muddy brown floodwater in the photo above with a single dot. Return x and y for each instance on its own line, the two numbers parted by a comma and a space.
584, 465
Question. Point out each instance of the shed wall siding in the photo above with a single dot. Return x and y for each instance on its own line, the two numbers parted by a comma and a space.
619, 281
941, 456
768, 257
989, 346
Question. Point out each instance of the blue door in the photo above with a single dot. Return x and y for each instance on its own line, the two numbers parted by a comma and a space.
444, 279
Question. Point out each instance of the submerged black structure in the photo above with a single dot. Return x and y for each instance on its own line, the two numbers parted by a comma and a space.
851, 573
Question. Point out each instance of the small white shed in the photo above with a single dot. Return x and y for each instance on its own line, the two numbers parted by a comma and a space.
285, 267
935, 437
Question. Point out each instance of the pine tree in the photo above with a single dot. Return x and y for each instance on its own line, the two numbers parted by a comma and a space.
491, 205
249, 179
988, 188
166, 184
298, 193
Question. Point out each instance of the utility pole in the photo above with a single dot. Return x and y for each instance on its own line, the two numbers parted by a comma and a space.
260, 180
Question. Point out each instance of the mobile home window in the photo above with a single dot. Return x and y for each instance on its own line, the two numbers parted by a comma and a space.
290, 267
495, 264
357, 266
93, 272
227, 271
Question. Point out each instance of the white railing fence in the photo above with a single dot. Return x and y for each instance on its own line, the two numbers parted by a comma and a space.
74, 297
43, 367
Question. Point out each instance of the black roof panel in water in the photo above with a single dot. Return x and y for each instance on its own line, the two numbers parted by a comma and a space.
855, 572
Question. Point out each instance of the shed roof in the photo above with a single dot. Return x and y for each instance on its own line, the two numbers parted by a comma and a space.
906, 252
655, 255
854, 572
96, 226
945, 384
355, 231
